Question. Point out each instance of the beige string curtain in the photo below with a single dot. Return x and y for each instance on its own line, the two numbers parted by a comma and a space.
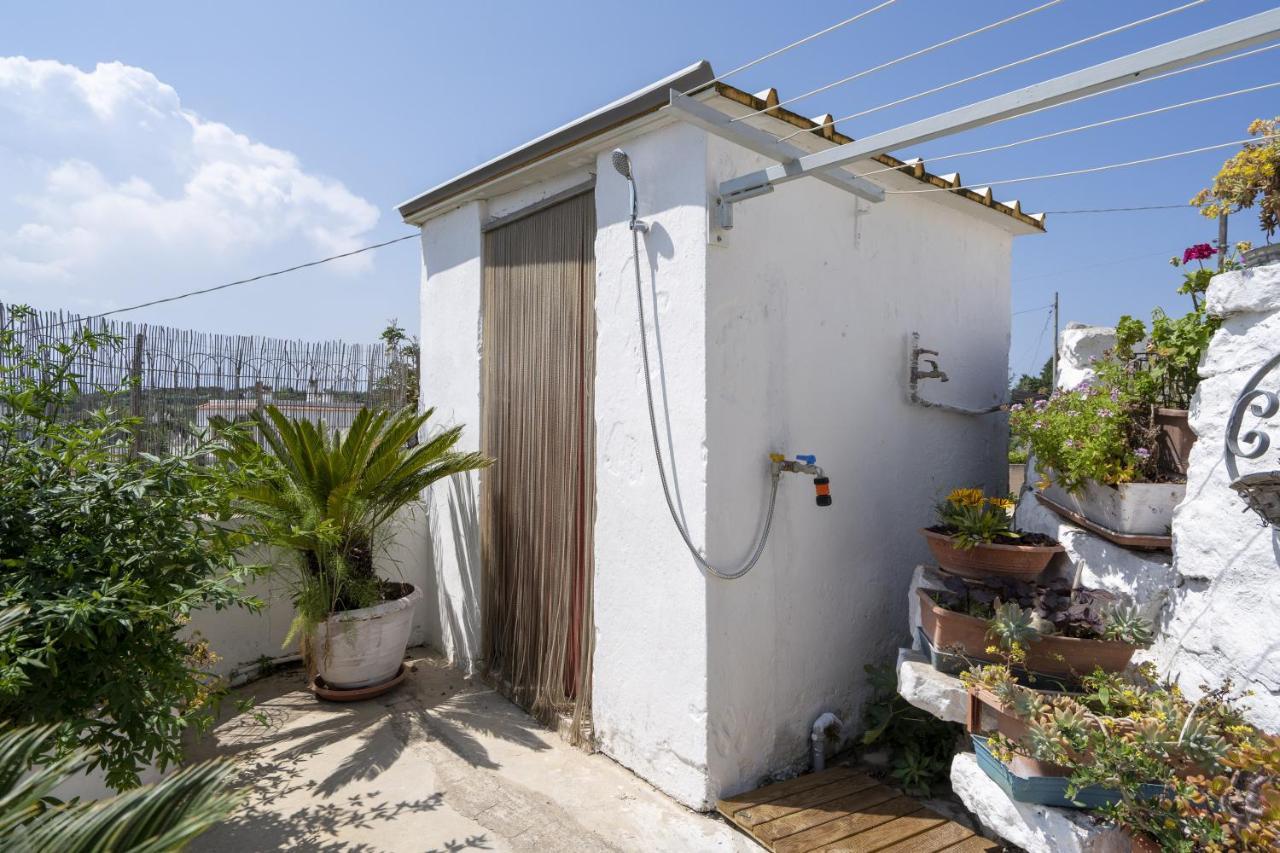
538, 500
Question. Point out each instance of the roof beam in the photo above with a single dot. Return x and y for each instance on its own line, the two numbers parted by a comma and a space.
754, 139
1237, 35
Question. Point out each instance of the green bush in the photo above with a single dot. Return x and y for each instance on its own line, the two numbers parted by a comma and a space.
109, 555
1100, 430
920, 745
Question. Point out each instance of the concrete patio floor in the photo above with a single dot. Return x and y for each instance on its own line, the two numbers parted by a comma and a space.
442, 763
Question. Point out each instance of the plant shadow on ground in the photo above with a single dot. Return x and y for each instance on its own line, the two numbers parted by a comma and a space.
277, 744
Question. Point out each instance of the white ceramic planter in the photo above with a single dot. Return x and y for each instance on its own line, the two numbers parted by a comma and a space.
1133, 508
360, 648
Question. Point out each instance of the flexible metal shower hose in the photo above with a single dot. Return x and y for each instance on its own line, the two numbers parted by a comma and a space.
657, 450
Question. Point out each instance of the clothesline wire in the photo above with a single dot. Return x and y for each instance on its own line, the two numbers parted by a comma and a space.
913, 55
794, 44
1013, 64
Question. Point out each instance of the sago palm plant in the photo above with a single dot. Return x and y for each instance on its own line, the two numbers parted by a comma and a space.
150, 819
325, 494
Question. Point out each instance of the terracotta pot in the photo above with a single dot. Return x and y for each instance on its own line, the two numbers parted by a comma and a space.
987, 716
1023, 562
1142, 843
1051, 655
1175, 440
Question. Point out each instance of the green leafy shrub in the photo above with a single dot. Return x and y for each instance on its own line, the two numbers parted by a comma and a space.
1104, 429
109, 555
920, 745
1100, 430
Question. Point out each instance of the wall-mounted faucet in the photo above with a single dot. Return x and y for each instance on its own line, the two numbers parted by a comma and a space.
804, 464
918, 354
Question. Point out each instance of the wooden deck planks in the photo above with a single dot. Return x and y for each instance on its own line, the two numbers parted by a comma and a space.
943, 837
730, 805
807, 819
842, 810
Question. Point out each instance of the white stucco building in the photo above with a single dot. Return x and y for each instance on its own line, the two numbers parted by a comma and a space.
789, 332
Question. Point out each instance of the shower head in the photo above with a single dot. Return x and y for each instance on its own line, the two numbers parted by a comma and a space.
622, 163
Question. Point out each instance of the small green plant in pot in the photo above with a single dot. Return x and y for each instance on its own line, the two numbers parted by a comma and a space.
974, 537
327, 498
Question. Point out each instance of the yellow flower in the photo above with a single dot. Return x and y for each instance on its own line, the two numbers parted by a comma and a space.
966, 497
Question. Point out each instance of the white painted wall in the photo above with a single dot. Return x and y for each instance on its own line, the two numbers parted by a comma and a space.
793, 337
650, 673
1221, 620
450, 376
810, 310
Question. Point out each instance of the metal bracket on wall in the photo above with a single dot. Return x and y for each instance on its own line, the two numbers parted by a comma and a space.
916, 374
1260, 489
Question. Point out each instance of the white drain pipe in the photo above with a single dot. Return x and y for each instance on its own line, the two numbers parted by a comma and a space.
818, 738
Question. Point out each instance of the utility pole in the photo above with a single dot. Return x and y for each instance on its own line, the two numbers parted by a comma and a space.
1222, 241
1055, 341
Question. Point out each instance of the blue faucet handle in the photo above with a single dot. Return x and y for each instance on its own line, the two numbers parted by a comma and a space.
807, 458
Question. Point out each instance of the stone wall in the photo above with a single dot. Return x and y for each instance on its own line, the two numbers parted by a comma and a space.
1220, 620
1216, 606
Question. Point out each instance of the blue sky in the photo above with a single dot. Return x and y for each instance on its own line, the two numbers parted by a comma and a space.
312, 120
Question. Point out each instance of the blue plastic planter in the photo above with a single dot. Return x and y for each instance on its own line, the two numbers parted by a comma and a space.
1047, 790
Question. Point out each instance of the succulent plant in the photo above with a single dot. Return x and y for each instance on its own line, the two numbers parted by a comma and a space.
1056, 607
1123, 622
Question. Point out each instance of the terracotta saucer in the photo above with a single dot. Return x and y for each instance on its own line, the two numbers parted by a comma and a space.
355, 694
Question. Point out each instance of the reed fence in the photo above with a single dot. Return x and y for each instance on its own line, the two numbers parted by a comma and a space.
175, 380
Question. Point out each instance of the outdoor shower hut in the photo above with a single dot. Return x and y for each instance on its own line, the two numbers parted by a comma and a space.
560, 570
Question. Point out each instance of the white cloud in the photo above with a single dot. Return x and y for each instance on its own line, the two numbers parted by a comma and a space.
110, 189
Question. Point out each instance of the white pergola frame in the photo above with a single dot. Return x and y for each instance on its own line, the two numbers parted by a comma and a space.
827, 165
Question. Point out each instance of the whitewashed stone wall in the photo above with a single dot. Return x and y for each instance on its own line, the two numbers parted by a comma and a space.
1221, 621
1217, 606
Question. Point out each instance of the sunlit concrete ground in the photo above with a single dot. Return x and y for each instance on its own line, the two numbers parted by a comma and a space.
442, 763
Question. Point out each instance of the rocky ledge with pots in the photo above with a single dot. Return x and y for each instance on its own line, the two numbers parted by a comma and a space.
924, 687
1143, 577
1034, 828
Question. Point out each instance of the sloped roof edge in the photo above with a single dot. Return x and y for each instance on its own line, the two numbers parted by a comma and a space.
649, 99
694, 78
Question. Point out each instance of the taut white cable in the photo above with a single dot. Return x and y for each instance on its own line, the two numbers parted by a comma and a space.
794, 44
1014, 64
1079, 128
921, 52
1087, 171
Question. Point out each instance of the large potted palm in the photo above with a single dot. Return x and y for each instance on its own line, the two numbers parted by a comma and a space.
326, 496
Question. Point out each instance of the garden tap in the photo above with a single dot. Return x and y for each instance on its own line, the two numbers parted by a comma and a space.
804, 464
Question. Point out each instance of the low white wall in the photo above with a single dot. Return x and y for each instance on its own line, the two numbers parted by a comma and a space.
1221, 620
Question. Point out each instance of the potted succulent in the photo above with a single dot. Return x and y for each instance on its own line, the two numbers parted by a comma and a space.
1251, 176
1188, 775
325, 497
974, 537
1058, 631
